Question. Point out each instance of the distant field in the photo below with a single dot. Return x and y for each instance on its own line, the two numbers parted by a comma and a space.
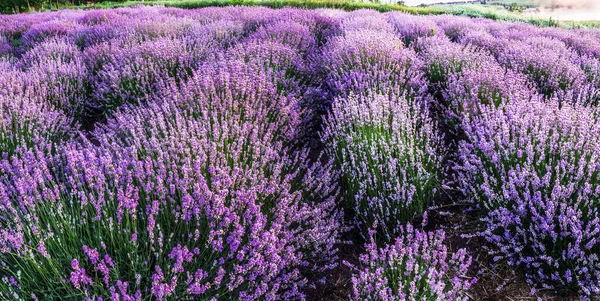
492, 10
526, 3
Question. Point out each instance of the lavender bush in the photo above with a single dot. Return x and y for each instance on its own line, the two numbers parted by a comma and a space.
364, 60
45, 31
5, 47
179, 207
26, 121
26, 124
234, 88
56, 69
388, 152
442, 58
289, 33
532, 169
455, 27
412, 28
548, 63
143, 72
486, 85
417, 266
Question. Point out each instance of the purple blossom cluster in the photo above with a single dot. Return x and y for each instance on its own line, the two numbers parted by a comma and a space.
417, 266
388, 152
370, 58
548, 63
532, 168
25, 120
480, 87
141, 72
153, 153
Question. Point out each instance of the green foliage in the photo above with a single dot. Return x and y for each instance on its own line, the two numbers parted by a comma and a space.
515, 7
17, 6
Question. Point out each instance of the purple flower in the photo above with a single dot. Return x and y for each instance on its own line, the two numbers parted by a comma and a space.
417, 265
389, 154
532, 168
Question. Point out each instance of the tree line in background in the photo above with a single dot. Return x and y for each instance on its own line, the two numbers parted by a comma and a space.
17, 6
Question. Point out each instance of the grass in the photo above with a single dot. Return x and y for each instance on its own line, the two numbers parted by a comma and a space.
309, 4
499, 13
523, 3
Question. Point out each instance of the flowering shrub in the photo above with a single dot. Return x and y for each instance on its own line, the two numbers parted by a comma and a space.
485, 85
532, 168
25, 120
245, 90
455, 27
45, 31
289, 33
179, 206
417, 266
411, 28
25, 124
55, 69
5, 47
364, 19
483, 41
388, 152
97, 17
282, 64
584, 43
364, 60
547, 63
443, 58
144, 72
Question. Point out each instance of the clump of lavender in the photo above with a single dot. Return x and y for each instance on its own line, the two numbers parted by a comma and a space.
443, 58
5, 47
583, 42
411, 28
547, 63
366, 19
97, 17
14, 81
59, 50
455, 27
283, 72
532, 169
388, 152
483, 41
249, 90
26, 120
589, 94
142, 72
287, 32
25, 124
44, 31
88, 36
364, 60
56, 70
171, 205
515, 31
417, 266
284, 65
486, 85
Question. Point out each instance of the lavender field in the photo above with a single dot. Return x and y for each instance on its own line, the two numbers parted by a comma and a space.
247, 153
